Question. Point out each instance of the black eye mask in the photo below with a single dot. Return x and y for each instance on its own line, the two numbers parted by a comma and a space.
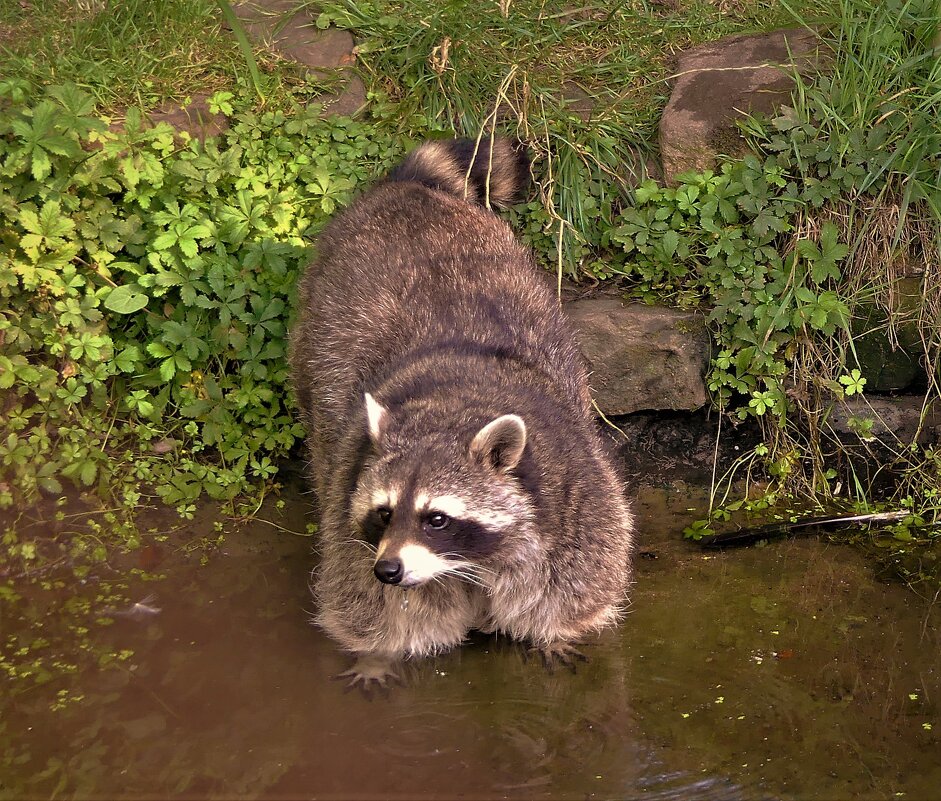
466, 538
374, 525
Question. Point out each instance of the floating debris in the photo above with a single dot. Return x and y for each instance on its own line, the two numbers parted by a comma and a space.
142, 609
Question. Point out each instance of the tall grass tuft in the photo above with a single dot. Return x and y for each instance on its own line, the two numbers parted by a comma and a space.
884, 83
585, 93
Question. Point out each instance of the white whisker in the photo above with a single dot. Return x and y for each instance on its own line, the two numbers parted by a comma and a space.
467, 571
459, 562
354, 541
460, 571
481, 571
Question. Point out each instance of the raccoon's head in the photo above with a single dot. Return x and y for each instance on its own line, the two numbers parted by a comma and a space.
442, 505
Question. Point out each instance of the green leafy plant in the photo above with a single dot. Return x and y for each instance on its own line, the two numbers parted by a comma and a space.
147, 286
583, 87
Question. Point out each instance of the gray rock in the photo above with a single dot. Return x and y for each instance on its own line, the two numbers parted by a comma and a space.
577, 101
349, 102
642, 357
293, 34
886, 366
891, 364
896, 421
717, 84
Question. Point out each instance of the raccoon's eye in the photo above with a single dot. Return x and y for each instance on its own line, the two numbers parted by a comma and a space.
438, 520
385, 514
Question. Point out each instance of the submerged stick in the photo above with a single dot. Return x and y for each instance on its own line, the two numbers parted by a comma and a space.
748, 536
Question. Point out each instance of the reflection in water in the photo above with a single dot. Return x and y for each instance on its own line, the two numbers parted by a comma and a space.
779, 672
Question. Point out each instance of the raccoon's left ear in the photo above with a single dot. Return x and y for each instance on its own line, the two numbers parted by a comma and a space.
377, 416
500, 443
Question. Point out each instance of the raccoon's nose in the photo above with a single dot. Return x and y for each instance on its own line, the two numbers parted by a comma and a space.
389, 571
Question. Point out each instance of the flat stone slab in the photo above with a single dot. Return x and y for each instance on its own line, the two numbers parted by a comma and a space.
577, 101
349, 102
289, 30
720, 82
292, 33
642, 357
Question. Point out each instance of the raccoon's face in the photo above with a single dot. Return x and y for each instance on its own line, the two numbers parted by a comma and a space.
444, 508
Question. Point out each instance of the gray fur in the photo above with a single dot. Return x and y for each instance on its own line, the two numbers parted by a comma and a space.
426, 302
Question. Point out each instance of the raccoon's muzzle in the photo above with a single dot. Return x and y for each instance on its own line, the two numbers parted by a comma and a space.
410, 564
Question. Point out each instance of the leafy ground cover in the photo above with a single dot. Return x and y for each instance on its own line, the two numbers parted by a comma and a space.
846, 190
147, 290
544, 65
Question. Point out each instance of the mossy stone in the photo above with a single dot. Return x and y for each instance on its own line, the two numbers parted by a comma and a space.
889, 368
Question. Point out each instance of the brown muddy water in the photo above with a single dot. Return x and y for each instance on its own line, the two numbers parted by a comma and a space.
782, 672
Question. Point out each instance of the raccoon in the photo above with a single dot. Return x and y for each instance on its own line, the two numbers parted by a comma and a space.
462, 481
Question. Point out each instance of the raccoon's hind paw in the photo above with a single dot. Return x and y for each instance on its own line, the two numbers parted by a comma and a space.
371, 672
559, 653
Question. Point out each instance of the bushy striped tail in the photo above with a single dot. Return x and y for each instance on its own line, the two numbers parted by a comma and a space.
451, 166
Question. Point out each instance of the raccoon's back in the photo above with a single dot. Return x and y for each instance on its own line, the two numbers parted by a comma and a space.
407, 267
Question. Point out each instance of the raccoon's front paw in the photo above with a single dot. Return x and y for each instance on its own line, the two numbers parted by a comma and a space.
370, 672
559, 653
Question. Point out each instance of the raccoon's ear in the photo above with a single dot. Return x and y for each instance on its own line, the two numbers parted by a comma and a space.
377, 416
500, 443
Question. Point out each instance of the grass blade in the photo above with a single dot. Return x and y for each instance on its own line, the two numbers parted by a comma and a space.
245, 46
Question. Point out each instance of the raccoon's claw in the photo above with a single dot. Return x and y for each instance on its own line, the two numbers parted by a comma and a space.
560, 653
369, 673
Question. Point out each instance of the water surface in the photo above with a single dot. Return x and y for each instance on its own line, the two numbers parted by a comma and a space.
779, 672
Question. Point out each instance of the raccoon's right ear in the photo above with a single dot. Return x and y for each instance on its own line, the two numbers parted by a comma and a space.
377, 417
500, 443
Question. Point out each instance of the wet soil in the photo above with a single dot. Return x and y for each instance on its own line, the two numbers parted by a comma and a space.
780, 672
